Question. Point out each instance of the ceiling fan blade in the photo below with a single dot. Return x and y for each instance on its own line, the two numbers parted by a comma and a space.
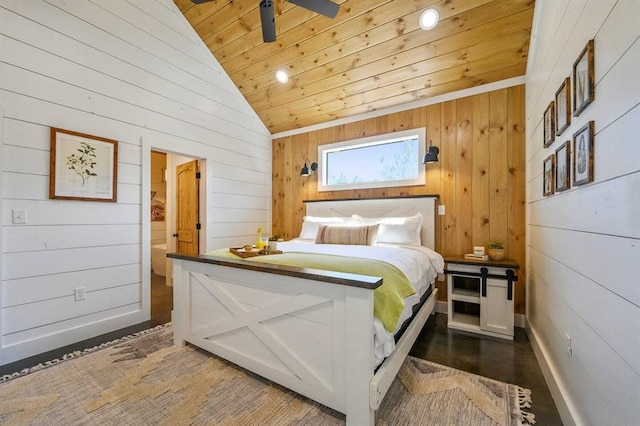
323, 7
267, 16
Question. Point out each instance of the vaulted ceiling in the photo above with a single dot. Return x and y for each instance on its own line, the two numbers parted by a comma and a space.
373, 55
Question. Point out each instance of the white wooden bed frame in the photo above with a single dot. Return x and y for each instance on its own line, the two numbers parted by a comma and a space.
310, 331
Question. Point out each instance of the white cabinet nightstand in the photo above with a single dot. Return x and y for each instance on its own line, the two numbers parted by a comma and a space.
480, 296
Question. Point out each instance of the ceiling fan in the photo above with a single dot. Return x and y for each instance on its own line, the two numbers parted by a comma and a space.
268, 16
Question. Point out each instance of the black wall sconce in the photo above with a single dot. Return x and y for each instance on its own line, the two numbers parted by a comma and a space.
307, 170
431, 155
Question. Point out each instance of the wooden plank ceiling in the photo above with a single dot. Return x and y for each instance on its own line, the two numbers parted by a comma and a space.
373, 55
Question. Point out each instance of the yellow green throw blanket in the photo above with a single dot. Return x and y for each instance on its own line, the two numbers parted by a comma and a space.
388, 300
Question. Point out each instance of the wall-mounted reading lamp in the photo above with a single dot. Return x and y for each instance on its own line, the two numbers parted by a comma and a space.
306, 170
431, 155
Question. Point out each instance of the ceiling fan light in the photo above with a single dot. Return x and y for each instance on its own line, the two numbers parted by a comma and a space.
429, 19
282, 76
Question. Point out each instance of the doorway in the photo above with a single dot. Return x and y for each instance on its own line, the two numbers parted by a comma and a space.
174, 183
161, 293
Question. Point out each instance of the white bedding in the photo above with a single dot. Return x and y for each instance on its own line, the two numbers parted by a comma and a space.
419, 264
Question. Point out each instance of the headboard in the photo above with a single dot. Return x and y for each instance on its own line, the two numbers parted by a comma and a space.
382, 207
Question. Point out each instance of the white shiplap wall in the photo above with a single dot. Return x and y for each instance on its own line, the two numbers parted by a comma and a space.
1, 227
583, 245
136, 72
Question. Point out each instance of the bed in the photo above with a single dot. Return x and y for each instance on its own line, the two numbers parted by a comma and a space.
309, 330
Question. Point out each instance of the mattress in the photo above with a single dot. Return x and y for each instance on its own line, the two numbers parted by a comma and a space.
419, 264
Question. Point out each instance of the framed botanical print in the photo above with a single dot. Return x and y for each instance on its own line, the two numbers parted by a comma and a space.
563, 106
549, 127
583, 79
583, 154
83, 167
563, 169
548, 173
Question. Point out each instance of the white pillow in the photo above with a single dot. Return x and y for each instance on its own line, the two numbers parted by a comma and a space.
310, 225
396, 230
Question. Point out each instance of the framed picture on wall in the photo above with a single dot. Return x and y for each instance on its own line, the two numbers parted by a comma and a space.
583, 79
563, 169
548, 173
83, 167
549, 125
583, 155
563, 106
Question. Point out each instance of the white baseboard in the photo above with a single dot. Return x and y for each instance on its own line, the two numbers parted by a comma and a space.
441, 307
558, 391
29, 348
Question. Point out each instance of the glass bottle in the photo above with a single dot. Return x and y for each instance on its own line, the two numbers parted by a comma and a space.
259, 242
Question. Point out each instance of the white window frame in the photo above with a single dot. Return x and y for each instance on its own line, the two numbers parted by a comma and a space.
324, 150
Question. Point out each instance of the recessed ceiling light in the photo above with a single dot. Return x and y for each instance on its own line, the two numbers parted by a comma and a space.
429, 19
282, 76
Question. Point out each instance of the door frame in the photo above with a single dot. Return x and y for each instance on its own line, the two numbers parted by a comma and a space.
168, 146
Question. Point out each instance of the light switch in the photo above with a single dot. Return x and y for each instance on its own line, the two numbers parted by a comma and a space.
441, 210
19, 216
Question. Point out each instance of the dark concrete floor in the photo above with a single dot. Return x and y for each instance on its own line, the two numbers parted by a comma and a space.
503, 360
507, 361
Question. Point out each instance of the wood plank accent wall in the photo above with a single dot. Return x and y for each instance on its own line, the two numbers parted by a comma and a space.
480, 175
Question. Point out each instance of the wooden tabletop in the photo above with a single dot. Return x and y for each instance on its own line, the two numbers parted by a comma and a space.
504, 263
341, 278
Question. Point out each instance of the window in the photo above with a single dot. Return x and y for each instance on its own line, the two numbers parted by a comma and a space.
393, 159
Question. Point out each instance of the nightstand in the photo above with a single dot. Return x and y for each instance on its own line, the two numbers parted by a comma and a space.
480, 295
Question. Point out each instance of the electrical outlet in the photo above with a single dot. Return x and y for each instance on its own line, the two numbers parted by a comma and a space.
441, 210
19, 216
569, 348
78, 293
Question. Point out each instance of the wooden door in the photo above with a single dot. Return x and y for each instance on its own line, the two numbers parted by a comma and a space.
187, 202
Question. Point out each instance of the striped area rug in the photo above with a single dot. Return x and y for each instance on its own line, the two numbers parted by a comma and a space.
145, 380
